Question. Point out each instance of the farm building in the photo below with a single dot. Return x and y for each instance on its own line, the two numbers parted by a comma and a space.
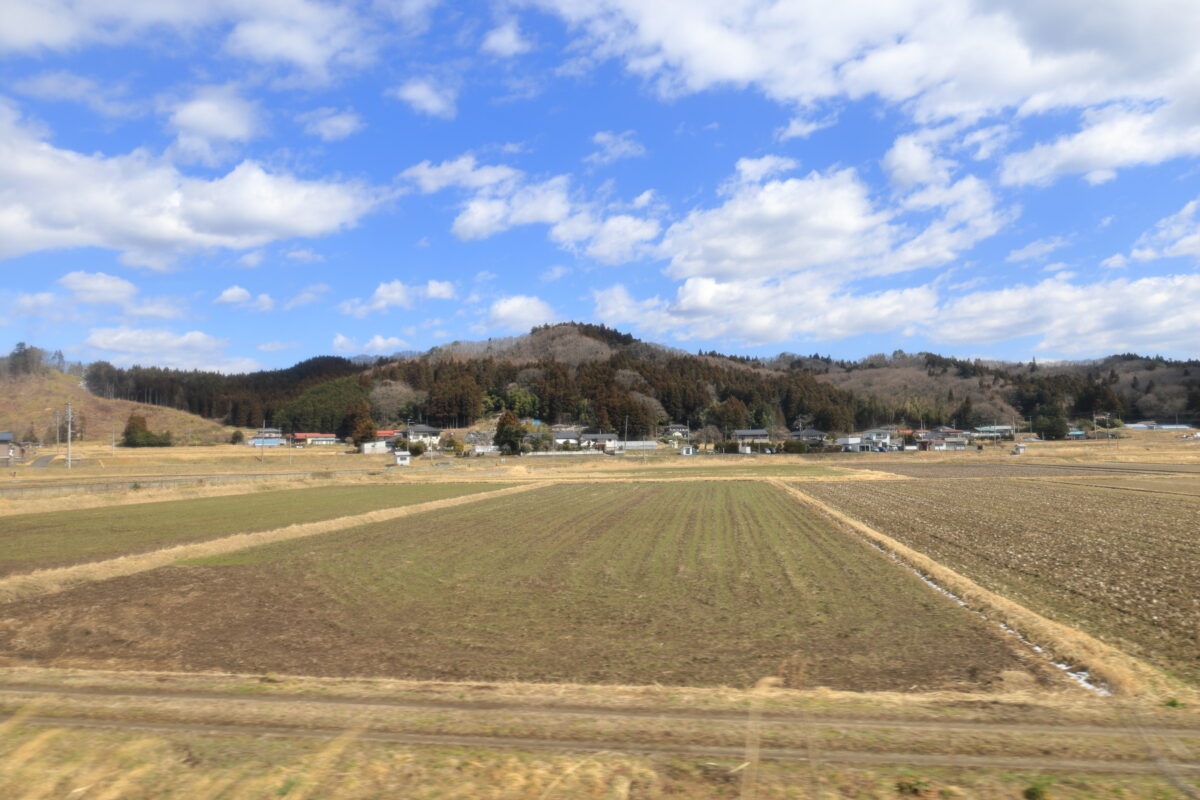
633, 445
687, 450
484, 449
374, 448
425, 434
853, 444
306, 439
403, 458
677, 431
751, 436
597, 440
267, 437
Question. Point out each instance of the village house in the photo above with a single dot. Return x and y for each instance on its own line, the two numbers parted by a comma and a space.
598, 441
751, 436
677, 432
425, 434
883, 439
853, 444
267, 437
307, 439
809, 436
566, 437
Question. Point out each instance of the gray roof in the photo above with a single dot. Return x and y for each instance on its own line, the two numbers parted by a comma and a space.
751, 432
422, 428
599, 437
8, 437
809, 432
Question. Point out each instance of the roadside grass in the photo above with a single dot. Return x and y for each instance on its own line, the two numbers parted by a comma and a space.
39, 763
60, 538
706, 583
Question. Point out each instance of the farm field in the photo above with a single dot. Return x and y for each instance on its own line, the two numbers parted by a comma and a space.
1166, 484
1118, 565
60, 538
732, 471
964, 468
700, 584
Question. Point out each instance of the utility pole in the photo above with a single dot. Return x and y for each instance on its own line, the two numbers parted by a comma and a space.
70, 419
57, 441
114, 439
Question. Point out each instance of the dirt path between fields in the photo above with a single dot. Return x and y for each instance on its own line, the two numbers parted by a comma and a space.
704, 750
33, 691
1118, 671
51, 581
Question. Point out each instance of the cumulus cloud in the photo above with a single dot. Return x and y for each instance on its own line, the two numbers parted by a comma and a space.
1130, 70
331, 124
463, 172
237, 296
211, 120
191, 350
1173, 236
54, 198
505, 41
376, 345
519, 313
99, 288
614, 147
397, 294
428, 97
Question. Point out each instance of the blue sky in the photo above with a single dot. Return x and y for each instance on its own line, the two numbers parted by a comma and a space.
236, 184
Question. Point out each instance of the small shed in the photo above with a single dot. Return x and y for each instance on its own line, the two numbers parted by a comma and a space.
403, 458
374, 448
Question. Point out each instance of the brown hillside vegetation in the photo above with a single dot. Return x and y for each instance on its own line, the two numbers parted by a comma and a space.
31, 400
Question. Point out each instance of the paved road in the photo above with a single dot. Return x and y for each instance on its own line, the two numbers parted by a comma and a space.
43, 461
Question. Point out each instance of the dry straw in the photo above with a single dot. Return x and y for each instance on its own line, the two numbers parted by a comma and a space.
1120, 672
49, 581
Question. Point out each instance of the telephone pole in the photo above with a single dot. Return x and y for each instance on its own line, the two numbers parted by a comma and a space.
70, 419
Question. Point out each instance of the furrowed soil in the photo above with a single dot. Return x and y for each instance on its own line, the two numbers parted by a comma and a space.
963, 468
63, 538
711, 583
1120, 565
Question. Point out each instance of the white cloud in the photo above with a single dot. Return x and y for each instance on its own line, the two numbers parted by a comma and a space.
505, 41
912, 161
614, 147
214, 118
755, 170
98, 287
384, 344
305, 255
487, 214
1115, 261
1173, 236
802, 128
52, 198
1130, 67
554, 273
277, 346
520, 313
344, 344
428, 97
63, 85
331, 124
1037, 250
306, 296
237, 296
463, 173
1149, 314
397, 294
192, 350
252, 259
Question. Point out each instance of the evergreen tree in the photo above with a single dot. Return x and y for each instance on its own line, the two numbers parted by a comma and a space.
509, 432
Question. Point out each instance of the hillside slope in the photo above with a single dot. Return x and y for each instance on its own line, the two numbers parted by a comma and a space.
31, 400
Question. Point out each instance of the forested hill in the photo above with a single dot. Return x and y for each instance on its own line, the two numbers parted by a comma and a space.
601, 378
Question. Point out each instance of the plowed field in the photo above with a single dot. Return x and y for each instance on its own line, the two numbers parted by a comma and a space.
1123, 566
60, 538
703, 583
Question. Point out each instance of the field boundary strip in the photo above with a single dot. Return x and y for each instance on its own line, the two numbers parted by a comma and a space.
51, 581
1122, 673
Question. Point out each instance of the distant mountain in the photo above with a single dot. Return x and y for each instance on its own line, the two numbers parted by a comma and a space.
600, 378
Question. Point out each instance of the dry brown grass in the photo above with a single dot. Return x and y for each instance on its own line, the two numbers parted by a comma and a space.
1122, 673
49, 581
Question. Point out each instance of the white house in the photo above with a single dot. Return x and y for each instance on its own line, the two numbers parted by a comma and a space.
374, 448
566, 438
598, 440
853, 444
882, 439
677, 431
751, 436
425, 434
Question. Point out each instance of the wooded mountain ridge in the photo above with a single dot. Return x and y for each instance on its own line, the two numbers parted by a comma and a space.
604, 379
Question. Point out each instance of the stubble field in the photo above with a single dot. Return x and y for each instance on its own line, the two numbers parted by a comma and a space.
1120, 565
706, 583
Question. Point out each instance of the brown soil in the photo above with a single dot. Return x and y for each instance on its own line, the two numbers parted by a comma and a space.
706, 584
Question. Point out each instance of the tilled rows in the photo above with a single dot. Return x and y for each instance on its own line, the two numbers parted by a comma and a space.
1120, 565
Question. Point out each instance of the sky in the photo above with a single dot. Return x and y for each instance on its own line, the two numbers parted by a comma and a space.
242, 184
